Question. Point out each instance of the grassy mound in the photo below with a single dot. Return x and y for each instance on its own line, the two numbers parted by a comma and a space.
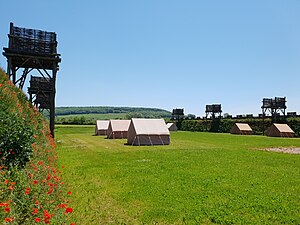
30, 184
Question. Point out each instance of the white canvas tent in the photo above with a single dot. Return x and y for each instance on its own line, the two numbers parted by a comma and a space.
117, 129
101, 127
241, 128
148, 132
172, 127
280, 130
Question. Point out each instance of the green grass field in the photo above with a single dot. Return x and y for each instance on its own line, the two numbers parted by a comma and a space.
201, 178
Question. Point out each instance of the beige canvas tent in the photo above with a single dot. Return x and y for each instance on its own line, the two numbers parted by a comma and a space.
172, 127
241, 128
117, 129
148, 132
280, 130
101, 127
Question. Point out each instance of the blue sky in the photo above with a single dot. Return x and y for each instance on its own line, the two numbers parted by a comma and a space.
168, 54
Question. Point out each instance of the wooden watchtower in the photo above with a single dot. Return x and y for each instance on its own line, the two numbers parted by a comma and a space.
274, 106
177, 114
29, 51
213, 110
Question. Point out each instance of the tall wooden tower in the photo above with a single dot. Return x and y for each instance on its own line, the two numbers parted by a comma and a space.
274, 106
213, 110
32, 51
177, 114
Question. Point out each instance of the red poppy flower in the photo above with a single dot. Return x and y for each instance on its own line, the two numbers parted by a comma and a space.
11, 188
47, 214
68, 210
50, 191
69, 192
6, 181
3, 204
35, 211
35, 182
27, 191
8, 220
62, 205
47, 217
7, 210
37, 220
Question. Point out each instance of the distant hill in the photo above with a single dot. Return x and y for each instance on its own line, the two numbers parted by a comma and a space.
89, 115
147, 112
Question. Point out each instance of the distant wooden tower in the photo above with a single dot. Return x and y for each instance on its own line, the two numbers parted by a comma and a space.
34, 50
177, 114
213, 110
275, 106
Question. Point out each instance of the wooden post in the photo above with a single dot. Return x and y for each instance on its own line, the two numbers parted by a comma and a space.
11, 33
52, 100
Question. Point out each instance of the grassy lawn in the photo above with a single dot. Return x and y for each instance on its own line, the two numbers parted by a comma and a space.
201, 178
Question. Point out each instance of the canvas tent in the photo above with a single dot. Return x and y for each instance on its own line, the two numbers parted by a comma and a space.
172, 126
117, 129
148, 132
101, 127
280, 130
241, 128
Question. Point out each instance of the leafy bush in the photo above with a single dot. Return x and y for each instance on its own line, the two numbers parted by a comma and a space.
195, 125
16, 140
294, 123
16, 125
131, 115
225, 125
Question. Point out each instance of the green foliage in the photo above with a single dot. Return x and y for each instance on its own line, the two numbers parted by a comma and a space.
146, 112
131, 115
16, 127
225, 125
87, 119
195, 125
201, 178
16, 140
294, 123
31, 189
120, 113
